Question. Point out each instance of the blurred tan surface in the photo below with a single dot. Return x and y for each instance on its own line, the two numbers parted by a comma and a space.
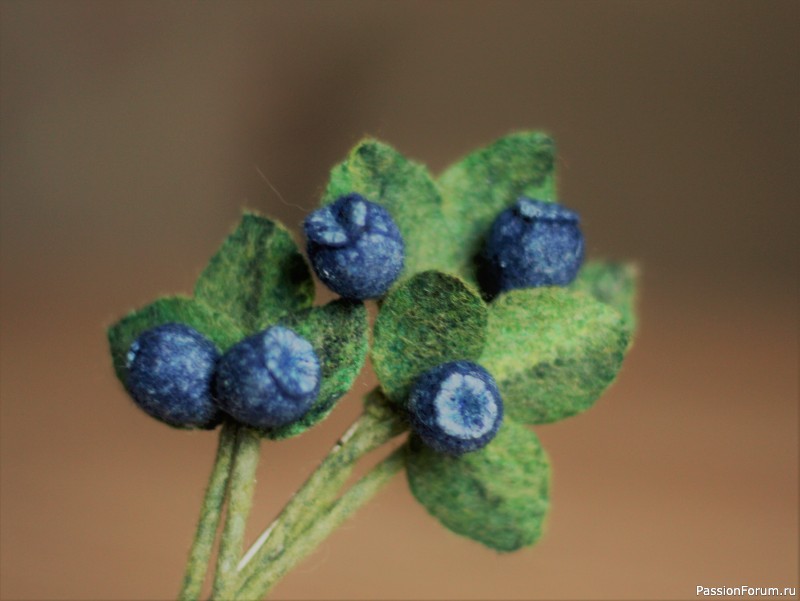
131, 138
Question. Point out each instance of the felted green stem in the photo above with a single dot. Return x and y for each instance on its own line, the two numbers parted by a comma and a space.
362, 491
378, 424
197, 566
240, 499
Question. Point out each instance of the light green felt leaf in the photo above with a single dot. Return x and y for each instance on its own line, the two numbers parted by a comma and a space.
404, 188
219, 328
477, 188
498, 495
611, 283
258, 274
339, 333
552, 351
426, 320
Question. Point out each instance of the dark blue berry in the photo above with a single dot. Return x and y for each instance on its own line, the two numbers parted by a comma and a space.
270, 379
456, 407
355, 247
170, 373
532, 244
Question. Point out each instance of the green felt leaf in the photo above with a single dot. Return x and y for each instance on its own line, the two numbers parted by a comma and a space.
258, 274
404, 188
552, 351
339, 333
426, 320
498, 496
176, 309
611, 283
477, 188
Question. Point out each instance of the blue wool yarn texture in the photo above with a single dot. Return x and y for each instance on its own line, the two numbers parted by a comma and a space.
456, 407
170, 373
532, 244
269, 379
355, 247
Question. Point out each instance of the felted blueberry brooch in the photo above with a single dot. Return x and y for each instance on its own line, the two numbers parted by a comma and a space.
488, 321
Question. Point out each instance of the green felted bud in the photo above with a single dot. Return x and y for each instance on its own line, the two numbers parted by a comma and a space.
611, 283
257, 275
552, 351
404, 188
426, 320
498, 496
477, 188
219, 328
339, 334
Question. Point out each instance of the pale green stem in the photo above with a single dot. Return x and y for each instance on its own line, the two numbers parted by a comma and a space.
210, 512
377, 425
362, 491
240, 499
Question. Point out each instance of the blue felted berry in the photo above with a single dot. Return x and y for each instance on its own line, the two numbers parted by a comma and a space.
456, 407
355, 247
169, 375
268, 380
532, 244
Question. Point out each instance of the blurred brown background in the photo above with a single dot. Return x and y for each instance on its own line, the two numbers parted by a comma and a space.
131, 138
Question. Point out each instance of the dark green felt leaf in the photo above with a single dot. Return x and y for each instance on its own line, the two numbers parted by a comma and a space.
477, 188
552, 351
215, 325
339, 333
258, 274
498, 496
381, 174
426, 320
611, 283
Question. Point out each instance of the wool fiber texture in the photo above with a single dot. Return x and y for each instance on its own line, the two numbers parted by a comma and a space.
339, 334
216, 326
170, 371
613, 284
258, 274
553, 352
456, 407
407, 191
498, 495
489, 180
355, 247
429, 319
532, 244
269, 379
444, 222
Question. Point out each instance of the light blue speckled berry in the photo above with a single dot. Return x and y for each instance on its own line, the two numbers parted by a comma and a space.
532, 244
170, 373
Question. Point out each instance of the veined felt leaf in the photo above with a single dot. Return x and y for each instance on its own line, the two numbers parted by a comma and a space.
257, 275
552, 351
611, 283
218, 327
426, 320
339, 333
405, 189
498, 495
477, 188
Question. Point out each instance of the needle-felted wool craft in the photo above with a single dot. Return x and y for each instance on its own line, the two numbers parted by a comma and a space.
269, 379
354, 247
170, 369
487, 322
532, 244
455, 407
